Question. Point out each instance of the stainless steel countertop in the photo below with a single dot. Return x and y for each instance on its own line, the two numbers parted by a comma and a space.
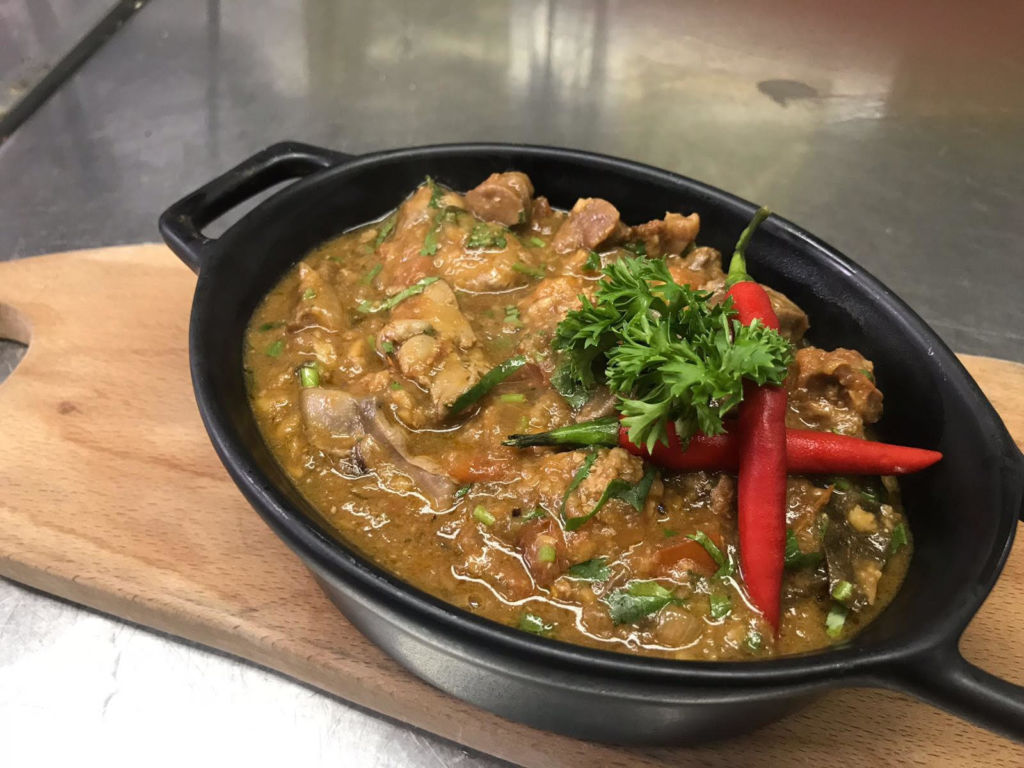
895, 133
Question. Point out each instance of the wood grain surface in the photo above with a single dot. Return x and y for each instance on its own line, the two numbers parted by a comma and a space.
111, 496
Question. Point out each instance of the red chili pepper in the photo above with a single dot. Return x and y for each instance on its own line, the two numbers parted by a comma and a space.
807, 452
761, 485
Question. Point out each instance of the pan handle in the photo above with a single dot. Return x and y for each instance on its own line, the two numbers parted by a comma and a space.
181, 225
947, 680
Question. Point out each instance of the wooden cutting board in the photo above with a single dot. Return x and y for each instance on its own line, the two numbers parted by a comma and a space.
111, 496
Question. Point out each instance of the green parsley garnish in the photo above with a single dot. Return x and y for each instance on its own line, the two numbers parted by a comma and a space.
534, 624
484, 235
666, 351
593, 262
595, 569
393, 301
721, 605
638, 599
634, 495
461, 493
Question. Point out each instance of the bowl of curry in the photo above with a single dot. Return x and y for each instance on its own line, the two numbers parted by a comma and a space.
545, 424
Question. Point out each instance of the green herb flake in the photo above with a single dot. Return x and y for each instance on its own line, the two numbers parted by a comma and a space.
842, 591
634, 495
309, 375
275, 349
393, 301
546, 553
395, 386
385, 229
515, 397
530, 622
270, 326
754, 641
637, 247
870, 376
721, 605
899, 540
669, 354
485, 235
480, 514
512, 315
387, 347
536, 242
637, 600
797, 559
725, 567
461, 493
430, 243
593, 262
668, 533
536, 514
308, 294
577, 479
526, 269
595, 569
487, 382
835, 620
369, 276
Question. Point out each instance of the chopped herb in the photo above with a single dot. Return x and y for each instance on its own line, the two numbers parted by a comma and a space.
385, 229
546, 553
487, 382
395, 386
461, 493
669, 354
841, 484
636, 600
668, 533
899, 539
634, 495
870, 376
484, 235
394, 300
534, 624
526, 269
797, 559
387, 347
536, 514
481, 514
516, 397
436, 193
308, 294
637, 247
721, 605
593, 262
568, 382
275, 349
374, 271
835, 620
430, 241
579, 477
725, 567
270, 326
842, 591
595, 569
536, 242
512, 315
309, 375
754, 641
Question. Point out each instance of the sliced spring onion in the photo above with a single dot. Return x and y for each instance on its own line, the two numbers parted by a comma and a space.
899, 538
374, 271
308, 294
487, 382
533, 623
394, 300
842, 591
481, 514
835, 620
579, 477
270, 326
385, 229
536, 242
512, 315
309, 376
546, 553
721, 605
515, 397
275, 349
526, 269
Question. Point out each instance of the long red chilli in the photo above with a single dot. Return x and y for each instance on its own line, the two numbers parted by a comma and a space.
761, 487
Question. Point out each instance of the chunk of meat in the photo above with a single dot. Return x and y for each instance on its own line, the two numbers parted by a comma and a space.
318, 302
669, 236
435, 345
495, 268
793, 322
833, 390
549, 302
701, 268
502, 197
359, 433
591, 223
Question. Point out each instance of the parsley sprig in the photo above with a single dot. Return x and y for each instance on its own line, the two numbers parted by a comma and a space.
665, 350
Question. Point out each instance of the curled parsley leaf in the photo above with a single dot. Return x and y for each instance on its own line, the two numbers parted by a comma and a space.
666, 351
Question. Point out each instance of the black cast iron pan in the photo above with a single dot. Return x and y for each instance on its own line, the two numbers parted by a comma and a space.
963, 512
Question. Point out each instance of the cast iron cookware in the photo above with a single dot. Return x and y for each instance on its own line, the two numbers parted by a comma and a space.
963, 512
